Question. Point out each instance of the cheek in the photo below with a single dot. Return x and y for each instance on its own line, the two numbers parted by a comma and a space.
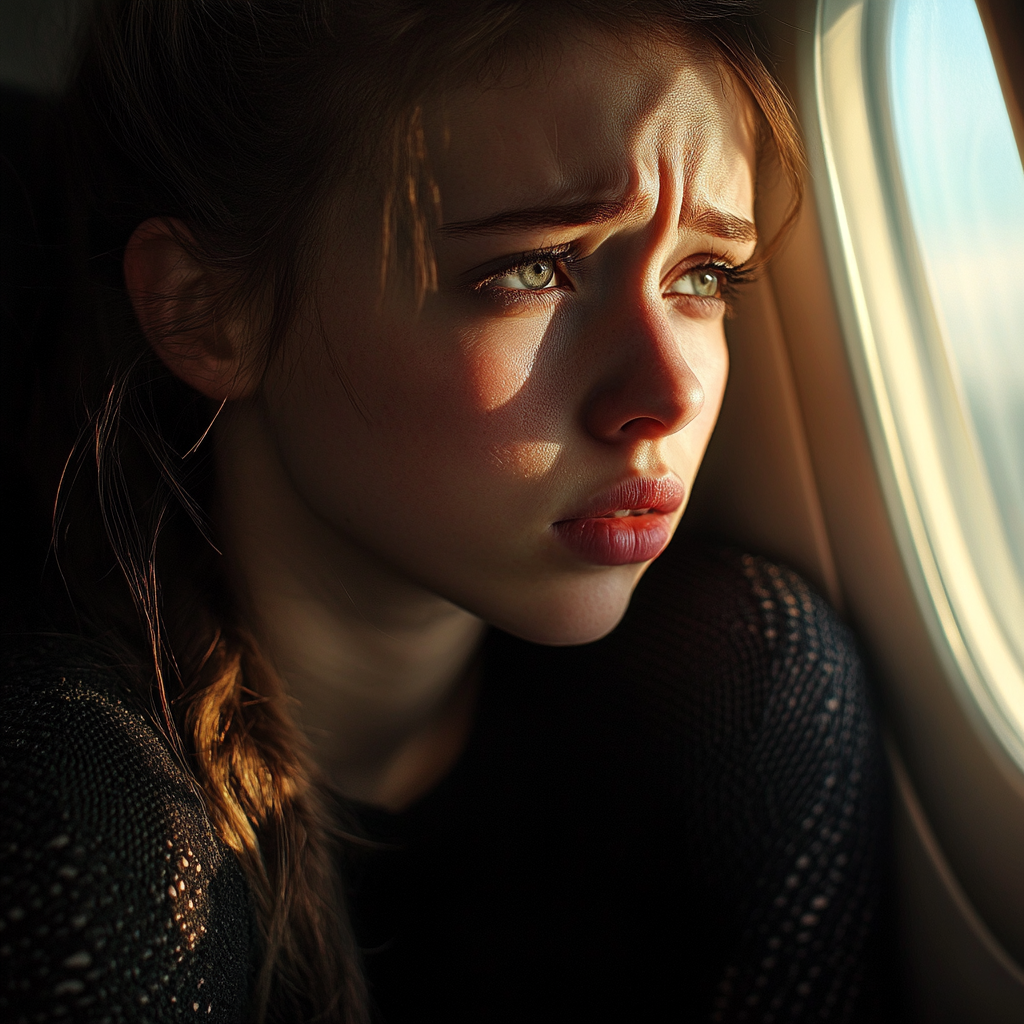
528, 460
715, 375
710, 363
712, 371
432, 401
497, 366
511, 390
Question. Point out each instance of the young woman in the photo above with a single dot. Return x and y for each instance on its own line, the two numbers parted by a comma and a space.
401, 337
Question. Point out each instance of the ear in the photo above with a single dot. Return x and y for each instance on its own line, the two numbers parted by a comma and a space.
173, 297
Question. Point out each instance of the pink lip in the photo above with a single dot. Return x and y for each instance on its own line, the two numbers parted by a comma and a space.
628, 539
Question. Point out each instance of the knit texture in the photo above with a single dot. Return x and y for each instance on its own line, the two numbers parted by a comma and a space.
117, 902
684, 821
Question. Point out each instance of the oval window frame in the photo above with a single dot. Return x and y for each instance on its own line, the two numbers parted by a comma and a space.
927, 458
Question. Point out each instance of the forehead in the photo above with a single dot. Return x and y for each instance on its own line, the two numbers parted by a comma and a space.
592, 117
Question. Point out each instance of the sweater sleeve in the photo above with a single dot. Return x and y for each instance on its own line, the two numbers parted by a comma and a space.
117, 901
807, 901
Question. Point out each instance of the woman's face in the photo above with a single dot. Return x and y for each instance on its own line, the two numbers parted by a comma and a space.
524, 445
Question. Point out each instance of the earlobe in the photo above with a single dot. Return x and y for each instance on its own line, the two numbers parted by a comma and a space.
174, 299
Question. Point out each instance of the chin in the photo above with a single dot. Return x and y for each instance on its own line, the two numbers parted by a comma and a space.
564, 614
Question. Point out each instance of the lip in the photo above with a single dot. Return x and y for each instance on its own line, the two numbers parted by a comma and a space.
624, 540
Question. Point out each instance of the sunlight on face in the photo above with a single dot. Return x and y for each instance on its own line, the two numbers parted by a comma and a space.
524, 445
528, 459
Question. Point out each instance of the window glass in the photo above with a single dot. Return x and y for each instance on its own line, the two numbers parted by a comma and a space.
964, 188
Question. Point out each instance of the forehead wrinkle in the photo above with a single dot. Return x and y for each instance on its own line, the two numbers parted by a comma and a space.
620, 179
629, 176
571, 201
693, 155
699, 210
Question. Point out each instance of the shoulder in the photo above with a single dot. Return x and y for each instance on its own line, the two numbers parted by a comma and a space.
750, 676
738, 625
67, 719
115, 889
718, 589
764, 695
787, 777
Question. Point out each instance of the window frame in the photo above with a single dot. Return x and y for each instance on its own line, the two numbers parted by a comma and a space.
950, 537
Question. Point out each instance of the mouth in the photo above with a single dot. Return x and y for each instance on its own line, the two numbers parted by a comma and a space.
631, 523
633, 498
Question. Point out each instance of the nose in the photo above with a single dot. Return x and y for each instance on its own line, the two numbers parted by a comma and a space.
648, 390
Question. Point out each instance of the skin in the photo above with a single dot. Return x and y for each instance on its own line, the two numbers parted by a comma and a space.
390, 484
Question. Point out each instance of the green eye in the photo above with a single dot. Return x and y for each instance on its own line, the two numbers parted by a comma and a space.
532, 277
699, 281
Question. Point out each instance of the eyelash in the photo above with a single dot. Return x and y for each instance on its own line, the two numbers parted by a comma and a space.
565, 257
732, 277
568, 256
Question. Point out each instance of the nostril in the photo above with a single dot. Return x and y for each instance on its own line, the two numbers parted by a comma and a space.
674, 414
646, 406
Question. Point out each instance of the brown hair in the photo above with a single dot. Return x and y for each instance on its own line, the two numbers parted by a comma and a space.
240, 119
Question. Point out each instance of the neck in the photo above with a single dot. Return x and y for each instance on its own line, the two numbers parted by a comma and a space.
380, 669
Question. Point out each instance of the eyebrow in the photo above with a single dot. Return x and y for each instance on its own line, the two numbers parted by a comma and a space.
559, 216
707, 220
719, 224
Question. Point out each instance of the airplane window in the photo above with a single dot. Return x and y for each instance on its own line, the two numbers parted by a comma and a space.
965, 190
927, 211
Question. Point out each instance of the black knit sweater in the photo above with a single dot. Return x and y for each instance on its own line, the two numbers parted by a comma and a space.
681, 822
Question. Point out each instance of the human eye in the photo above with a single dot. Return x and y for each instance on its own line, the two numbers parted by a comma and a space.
535, 276
537, 272
706, 282
709, 286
